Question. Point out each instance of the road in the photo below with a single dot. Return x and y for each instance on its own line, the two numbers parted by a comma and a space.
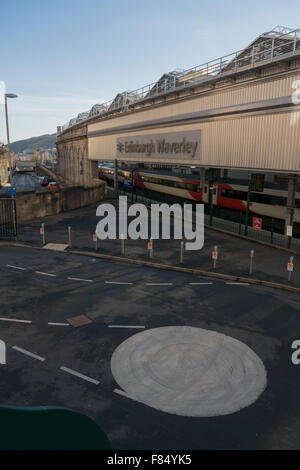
25, 182
126, 315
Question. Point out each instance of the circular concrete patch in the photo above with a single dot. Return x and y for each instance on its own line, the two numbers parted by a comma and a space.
188, 371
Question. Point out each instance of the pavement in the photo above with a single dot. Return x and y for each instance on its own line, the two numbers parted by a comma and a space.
72, 323
270, 264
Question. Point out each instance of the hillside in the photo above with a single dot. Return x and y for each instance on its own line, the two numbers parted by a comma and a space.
46, 141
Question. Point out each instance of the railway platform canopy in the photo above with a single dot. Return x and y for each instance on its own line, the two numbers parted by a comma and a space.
238, 111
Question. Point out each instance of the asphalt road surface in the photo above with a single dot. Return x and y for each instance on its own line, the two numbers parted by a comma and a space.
161, 360
25, 182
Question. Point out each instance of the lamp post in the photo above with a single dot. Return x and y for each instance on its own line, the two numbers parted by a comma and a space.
8, 95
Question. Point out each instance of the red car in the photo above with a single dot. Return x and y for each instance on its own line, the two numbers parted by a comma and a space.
53, 185
45, 181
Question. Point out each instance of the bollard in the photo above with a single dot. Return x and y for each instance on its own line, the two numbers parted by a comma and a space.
122, 244
251, 261
42, 232
95, 239
150, 248
69, 236
181, 251
290, 268
215, 256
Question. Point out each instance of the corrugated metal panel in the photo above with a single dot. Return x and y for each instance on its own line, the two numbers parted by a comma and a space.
270, 141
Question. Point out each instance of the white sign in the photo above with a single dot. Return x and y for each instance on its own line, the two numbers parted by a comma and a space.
214, 255
289, 230
290, 267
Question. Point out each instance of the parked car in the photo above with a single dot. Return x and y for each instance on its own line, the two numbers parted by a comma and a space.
45, 181
53, 185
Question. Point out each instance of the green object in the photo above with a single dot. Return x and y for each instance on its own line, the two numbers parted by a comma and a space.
240, 224
247, 209
210, 206
47, 427
272, 231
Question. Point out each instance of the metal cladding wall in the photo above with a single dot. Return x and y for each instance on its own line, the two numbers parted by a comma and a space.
251, 125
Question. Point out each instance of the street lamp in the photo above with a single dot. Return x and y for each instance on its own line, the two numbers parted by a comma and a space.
8, 95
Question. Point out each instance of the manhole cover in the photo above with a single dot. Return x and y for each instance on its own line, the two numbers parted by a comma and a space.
80, 320
189, 371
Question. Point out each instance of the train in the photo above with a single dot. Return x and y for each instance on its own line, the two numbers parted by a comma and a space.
227, 193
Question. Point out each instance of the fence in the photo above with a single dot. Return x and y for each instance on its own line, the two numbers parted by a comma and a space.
272, 229
8, 220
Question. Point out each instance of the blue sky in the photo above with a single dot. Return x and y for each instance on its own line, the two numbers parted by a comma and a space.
62, 56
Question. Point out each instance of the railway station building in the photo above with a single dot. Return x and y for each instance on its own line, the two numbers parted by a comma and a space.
237, 113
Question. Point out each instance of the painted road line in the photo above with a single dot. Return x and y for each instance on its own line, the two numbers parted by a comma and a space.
15, 320
45, 274
200, 283
238, 283
118, 283
79, 279
159, 283
124, 394
15, 267
81, 376
28, 353
58, 324
126, 326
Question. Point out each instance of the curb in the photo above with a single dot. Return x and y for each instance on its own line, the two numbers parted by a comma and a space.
198, 272
168, 267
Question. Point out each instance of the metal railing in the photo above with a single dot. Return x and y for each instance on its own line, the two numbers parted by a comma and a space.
267, 235
273, 46
8, 220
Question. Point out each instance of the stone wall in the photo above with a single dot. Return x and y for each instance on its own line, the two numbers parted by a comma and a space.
32, 204
73, 165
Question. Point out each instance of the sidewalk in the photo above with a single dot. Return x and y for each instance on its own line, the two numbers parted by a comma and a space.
270, 264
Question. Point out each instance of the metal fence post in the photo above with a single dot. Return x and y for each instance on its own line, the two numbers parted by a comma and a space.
251, 261
215, 255
69, 236
150, 248
95, 239
122, 244
272, 231
290, 268
42, 232
181, 251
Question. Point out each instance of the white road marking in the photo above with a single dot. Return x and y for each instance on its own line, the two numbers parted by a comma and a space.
78, 279
58, 324
115, 282
15, 320
16, 267
28, 353
159, 283
200, 283
126, 326
81, 376
121, 392
45, 274
238, 283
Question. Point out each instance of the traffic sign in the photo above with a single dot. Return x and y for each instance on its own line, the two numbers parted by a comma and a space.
95, 237
290, 267
150, 246
11, 191
257, 223
42, 230
214, 254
